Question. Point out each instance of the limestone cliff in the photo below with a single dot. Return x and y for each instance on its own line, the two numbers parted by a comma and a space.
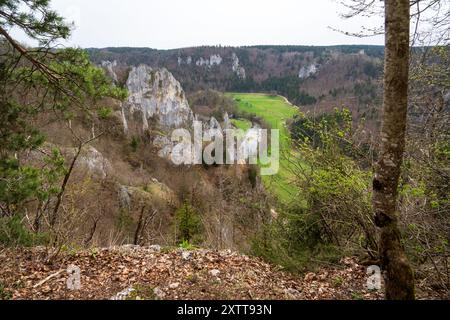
307, 71
159, 96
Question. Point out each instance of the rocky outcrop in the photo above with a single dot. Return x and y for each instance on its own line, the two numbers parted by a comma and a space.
109, 68
213, 60
307, 71
182, 61
153, 193
157, 95
237, 69
226, 122
95, 162
90, 161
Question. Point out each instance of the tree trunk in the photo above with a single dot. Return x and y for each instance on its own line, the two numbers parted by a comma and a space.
63, 187
399, 277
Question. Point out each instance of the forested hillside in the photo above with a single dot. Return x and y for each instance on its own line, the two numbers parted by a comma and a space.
220, 172
317, 78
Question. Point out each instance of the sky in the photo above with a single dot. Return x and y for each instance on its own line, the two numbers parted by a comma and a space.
169, 24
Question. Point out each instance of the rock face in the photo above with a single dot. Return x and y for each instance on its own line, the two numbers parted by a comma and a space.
159, 96
154, 192
109, 68
237, 69
95, 162
156, 94
306, 72
226, 121
213, 60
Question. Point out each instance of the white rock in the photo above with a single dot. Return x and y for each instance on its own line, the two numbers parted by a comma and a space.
155, 248
214, 272
109, 68
164, 146
159, 293
237, 69
307, 71
157, 94
123, 295
174, 285
202, 62
292, 292
226, 253
95, 162
124, 197
186, 255
215, 59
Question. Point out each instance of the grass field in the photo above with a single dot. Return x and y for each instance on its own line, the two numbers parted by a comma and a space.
275, 111
243, 124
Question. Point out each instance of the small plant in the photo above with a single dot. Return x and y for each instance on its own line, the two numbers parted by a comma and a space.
186, 245
4, 293
188, 224
193, 278
94, 253
338, 281
142, 292
357, 296
104, 113
134, 144
13, 232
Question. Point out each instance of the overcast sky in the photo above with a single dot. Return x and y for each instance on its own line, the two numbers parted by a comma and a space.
166, 24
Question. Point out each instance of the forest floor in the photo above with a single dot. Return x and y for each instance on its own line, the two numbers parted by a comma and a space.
149, 273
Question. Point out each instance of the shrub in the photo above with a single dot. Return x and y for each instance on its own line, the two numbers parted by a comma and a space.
332, 214
13, 232
188, 224
134, 144
104, 113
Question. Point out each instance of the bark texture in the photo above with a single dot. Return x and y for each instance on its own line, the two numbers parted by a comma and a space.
399, 277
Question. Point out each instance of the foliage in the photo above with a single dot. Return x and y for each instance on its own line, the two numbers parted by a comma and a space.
35, 18
188, 224
287, 86
243, 124
335, 211
134, 144
366, 93
35, 83
13, 232
274, 112
186, 245
212, 103
424, 188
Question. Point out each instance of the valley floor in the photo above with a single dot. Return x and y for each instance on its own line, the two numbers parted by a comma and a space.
150, 273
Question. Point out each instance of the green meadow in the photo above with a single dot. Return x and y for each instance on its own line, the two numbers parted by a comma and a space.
275, 111
243, 124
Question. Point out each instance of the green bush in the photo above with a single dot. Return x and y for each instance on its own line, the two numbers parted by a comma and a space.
188, 224
134, 144
13, 232
332, 214
104, 113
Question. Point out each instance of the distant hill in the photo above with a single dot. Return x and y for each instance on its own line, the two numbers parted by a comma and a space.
318, 78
